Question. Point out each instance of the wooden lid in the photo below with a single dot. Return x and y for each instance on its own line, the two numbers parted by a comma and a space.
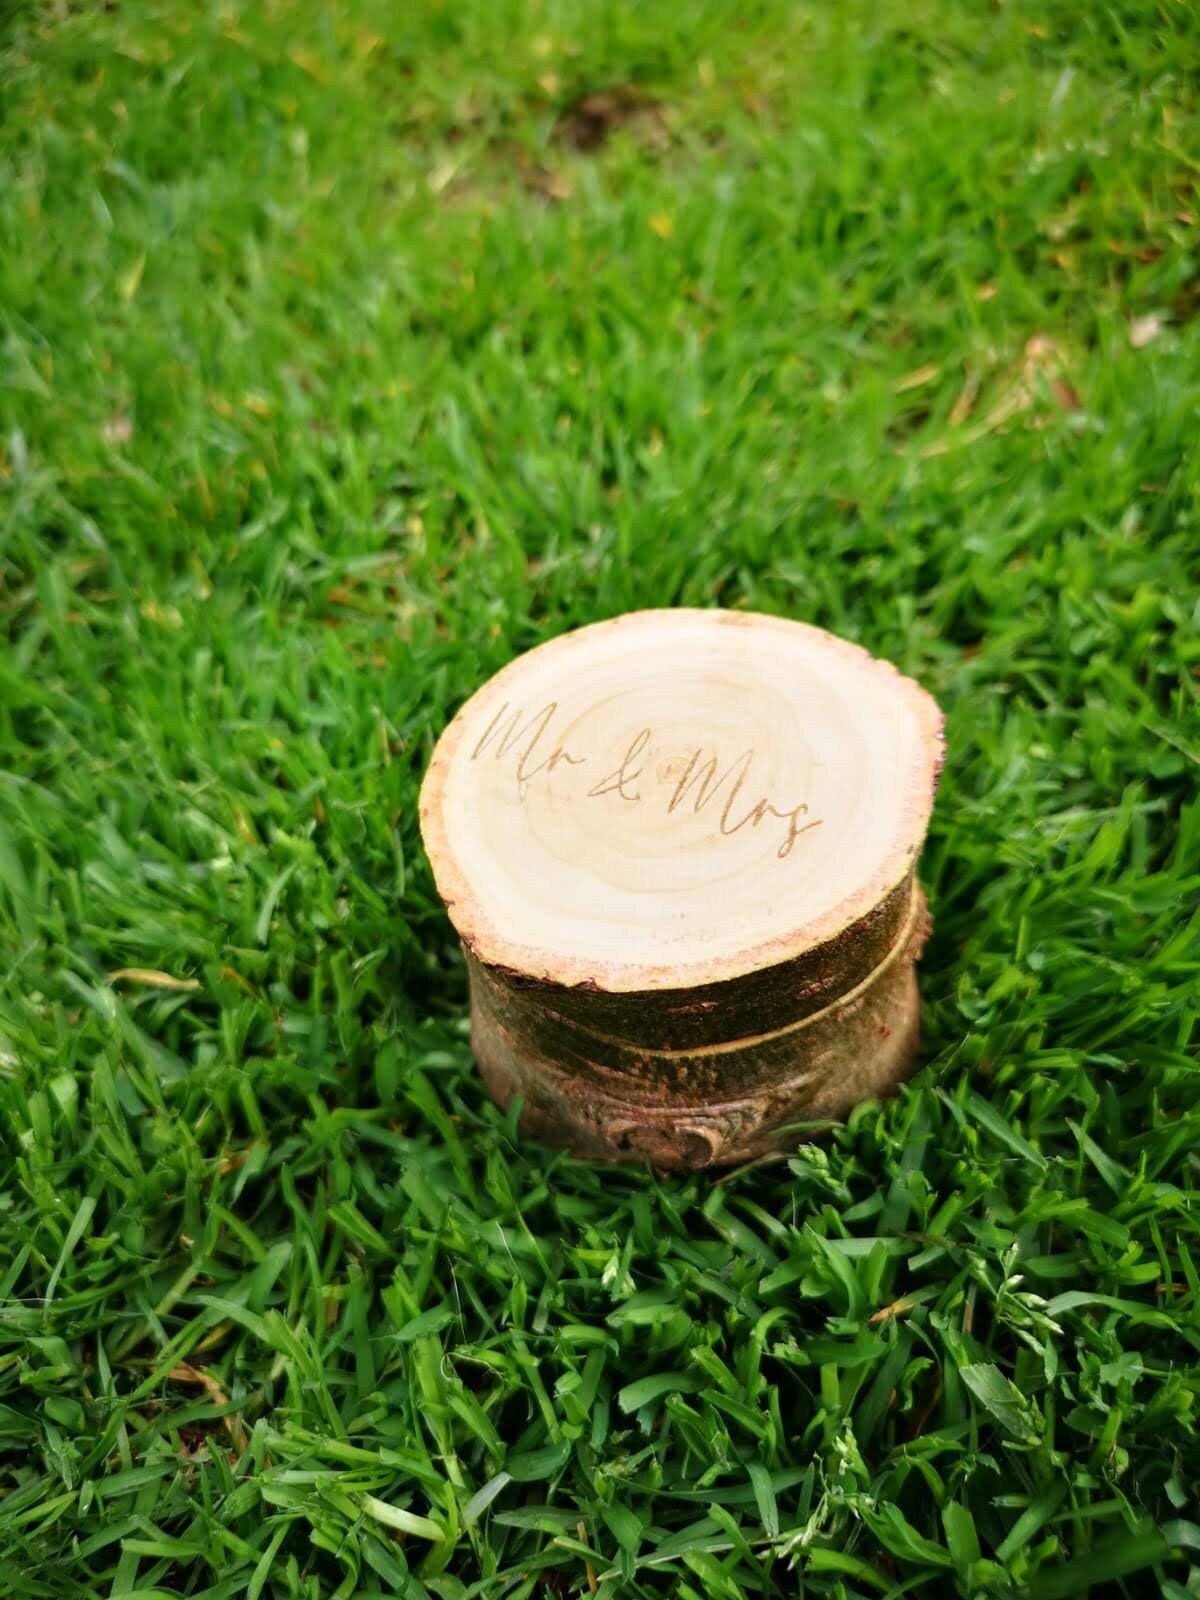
676, 799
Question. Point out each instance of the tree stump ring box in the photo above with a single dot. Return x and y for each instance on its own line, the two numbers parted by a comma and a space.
680, 851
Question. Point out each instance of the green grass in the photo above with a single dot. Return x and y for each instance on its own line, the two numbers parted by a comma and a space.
333, 372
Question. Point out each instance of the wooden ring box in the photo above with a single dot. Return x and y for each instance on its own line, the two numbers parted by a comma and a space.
680, 851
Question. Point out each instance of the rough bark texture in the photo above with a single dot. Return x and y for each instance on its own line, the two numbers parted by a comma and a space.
679, 848
605, 1097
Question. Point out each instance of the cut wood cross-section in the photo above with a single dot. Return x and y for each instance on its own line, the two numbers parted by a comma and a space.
679, 849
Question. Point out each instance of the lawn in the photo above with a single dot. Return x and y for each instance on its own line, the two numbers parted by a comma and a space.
346, 352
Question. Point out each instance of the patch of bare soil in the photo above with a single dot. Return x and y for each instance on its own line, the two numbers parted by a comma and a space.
591, 120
